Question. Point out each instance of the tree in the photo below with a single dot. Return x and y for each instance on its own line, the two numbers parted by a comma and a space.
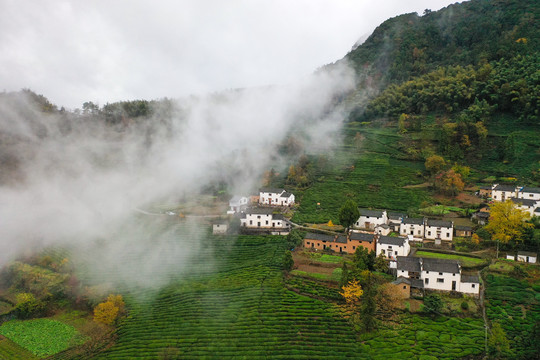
498, 344
433, 303
434, 164
507, 222
108, 311
402, 123
380, 263
28, 305
348, 214
363, 260
449, 182
352, 292
288, 262
369, 306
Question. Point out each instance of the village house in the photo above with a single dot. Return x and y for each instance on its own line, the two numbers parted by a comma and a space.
238, 204
463, 231
527, 256
528, 205
438, 274
394, 220
530, 193
481, 217
392, 247
220, 227
383, 229
340, 243
369, 219
439, 230
275, 197
503, 192
402, 285
484, 192
358, 239
412, 226
263, 218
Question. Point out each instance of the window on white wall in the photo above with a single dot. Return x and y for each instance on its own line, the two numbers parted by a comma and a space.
440, 280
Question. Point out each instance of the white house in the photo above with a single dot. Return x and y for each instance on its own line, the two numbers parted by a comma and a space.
392, 247
275, 197
412, 226
526, 256
394, 220
263, 218
369, 219
528, 205
438, 274
238, 204
383, 229
439, 230
510, 257
529, 193
503, 192
220, 227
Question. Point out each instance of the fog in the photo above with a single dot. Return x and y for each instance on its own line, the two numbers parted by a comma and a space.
78, 182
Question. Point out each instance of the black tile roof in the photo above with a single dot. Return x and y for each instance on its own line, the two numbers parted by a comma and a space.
402, 280
505, 188
440, 265
322, 237
286, 194
398, 241
417, 221
408, 263
342, 239
259, 211
482, 215
524, 202
470, 279
395, 216
526, 253
529, 189
439, 223
278, 217
463, 228
362, 236
371, 213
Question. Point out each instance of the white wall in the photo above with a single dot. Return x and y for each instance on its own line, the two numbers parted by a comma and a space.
418, 230
445, 233
447, 280
470, 288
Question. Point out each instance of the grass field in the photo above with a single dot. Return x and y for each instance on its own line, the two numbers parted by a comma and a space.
41, 337
464, 260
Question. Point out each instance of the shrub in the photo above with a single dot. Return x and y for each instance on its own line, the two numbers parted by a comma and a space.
465, 305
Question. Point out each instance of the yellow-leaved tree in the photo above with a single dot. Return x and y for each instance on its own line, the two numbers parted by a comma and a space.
507, 222
107, 311
352, 292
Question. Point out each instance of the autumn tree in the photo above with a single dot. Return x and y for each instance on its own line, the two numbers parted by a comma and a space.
348, 214
352, 293
507, 222
449, 182
434, 164
108, 311
27, 305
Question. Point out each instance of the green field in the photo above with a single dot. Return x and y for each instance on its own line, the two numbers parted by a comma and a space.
41, 337
246, 308
515, 304
464, 260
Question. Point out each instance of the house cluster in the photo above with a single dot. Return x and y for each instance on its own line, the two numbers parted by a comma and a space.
390, 247
524, 197
421, 229
523, 256
435, 274
413, 273
259, 213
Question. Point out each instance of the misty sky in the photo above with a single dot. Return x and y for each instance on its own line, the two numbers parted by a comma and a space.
106, 51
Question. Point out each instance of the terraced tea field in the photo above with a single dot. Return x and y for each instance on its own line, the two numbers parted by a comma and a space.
244, 307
